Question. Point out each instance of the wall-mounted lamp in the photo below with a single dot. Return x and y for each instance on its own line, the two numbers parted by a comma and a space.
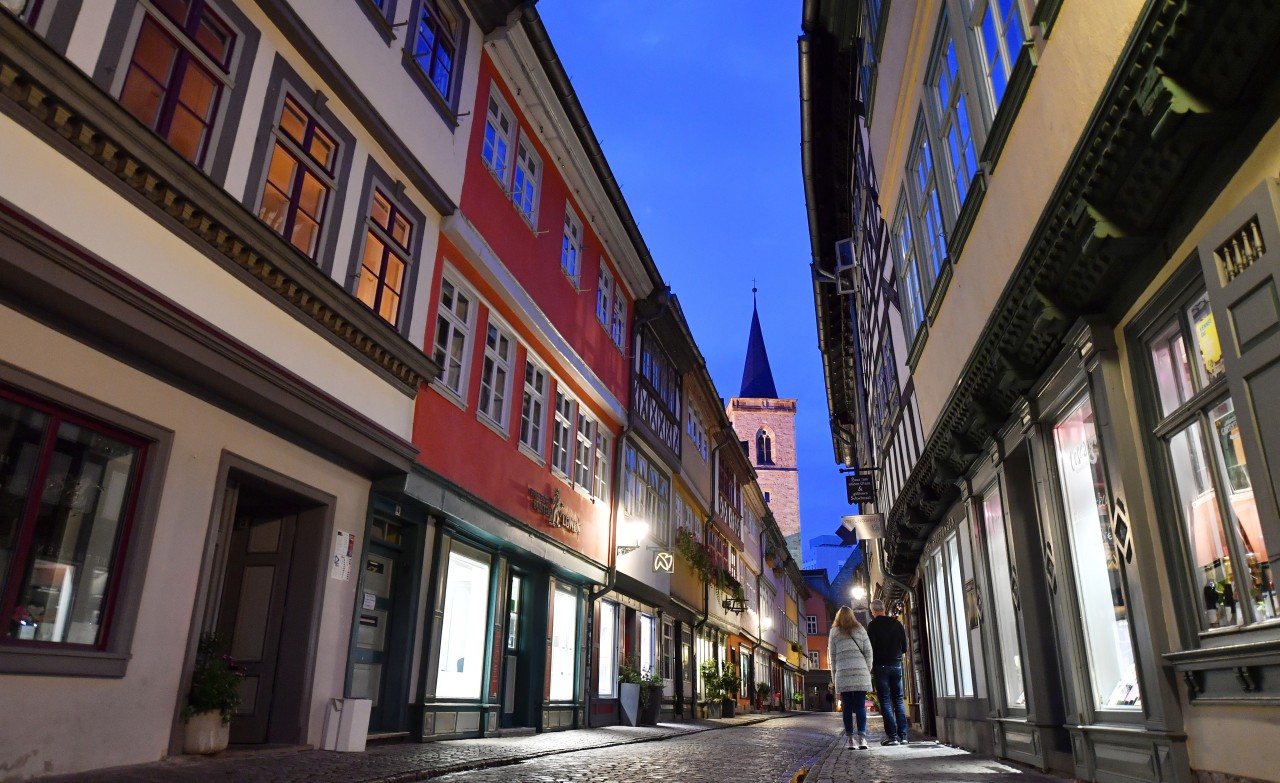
631, 531
858, 592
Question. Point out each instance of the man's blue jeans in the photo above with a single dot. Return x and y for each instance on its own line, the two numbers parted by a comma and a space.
889, 691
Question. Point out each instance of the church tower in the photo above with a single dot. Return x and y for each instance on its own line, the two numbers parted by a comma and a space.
766, 427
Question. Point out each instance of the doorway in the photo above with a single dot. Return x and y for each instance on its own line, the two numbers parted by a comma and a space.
381, 656
263, 593
515, 661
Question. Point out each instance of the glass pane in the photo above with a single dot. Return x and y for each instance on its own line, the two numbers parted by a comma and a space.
1104, 614
322, 149
380, 210
1245, 523
513, 614
1172, 368
214, 37
462, 631
62, 595
293, 121
959, 623
1210, 555
1205, 331
945, 661
1010, 656
564, 641
21, 430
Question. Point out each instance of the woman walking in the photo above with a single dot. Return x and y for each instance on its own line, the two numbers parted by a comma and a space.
849, 651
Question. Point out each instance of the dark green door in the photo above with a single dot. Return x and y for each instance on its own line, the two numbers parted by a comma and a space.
379, 662
515, 664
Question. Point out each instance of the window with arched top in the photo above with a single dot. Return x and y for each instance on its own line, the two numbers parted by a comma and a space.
764, 448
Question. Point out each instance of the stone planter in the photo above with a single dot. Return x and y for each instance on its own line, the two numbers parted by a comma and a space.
714, 708
206, 733
650, 704
629, 698
729, 708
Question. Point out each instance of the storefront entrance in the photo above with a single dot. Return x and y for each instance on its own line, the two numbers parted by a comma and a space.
380, 659
517, 657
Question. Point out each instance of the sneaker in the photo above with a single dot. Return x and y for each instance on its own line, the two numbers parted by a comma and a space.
849, 744
862, 742
889, 741
903, 740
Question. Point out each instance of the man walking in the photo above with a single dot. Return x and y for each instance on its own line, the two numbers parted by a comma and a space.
888, 643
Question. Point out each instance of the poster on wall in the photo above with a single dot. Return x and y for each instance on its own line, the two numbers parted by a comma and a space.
344, 545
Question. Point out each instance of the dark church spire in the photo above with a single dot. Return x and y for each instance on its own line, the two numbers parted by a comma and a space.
757, 377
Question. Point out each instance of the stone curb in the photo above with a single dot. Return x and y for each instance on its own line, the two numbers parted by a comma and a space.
468, 766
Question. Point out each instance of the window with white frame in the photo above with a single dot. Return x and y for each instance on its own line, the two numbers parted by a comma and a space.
954, 133
498, 130
525, 180
927, 208
647, 494
814, 660
619, 330
604, 448
697, 433
571, 246
533, 407
604, 297
495, 374
910, 294
584, 454
998, 36
563, 434
453, 331
668, 650
682, 514
811, 624
648, 641
607, 684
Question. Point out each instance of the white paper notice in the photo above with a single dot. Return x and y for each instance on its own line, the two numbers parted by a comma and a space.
344, 544
370, 600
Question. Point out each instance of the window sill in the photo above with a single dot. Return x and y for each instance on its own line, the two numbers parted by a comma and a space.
378, 21
447, 112
1045, 15
968, 214
1016, 91
449, 394
50, 661
496, 426
917, 347
532, 454
940, 287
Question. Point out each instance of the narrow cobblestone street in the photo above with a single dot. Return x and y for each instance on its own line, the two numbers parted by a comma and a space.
771, 749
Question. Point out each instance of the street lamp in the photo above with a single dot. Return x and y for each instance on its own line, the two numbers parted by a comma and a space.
858, 592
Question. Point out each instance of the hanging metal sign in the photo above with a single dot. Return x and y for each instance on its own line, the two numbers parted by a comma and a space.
865, 525
663, 562
860, 488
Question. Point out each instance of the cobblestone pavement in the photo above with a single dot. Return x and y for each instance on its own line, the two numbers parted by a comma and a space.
394, 763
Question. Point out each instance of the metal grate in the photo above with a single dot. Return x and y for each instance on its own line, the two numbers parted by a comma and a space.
1240, 250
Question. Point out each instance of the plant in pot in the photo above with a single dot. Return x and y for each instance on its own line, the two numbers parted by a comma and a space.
629, 690
711, 688
212, 699
762, 695
730, 682
650, 697
798, 698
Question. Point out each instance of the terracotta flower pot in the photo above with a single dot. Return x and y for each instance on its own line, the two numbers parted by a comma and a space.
206, 733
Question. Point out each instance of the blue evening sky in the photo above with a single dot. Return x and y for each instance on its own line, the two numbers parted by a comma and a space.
696, 105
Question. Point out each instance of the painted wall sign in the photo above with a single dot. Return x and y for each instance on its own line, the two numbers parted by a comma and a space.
553, 509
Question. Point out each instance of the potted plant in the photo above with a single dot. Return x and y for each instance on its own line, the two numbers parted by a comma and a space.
798, 698
650, 697
629, 691
212, 699
712, 689
730, 682
762, 695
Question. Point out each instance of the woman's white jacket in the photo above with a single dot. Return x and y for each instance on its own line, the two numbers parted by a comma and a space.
850, 659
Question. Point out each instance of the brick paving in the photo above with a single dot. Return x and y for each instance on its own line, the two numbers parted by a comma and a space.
397, 763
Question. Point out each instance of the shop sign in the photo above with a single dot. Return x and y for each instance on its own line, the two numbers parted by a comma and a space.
860, 488
552, 508
865, 525
663, 562
654, 414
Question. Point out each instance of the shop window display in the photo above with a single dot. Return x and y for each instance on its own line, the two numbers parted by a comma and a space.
1002, 597
608, 683
1209, 473
1104, 612
466, 603
564, 640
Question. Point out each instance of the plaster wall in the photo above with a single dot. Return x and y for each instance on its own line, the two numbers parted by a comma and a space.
57, 191
54, 725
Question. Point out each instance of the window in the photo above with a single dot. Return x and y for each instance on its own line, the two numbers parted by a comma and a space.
619, 331
811, 624
524, 184
564, 644
453, 330
498, 130
814, 661
1104, 611
697, 434
604, 448
1208, 471
562, 437
607, 683
764, 448
604, 297
460, 672
910, 295
927, 209
683, 516
571, 249
61, 547
1010, 659
584, 454
495, 374
668, 650
886, 399
299, 178
952, 114
947, 621
647, 640
178, 71
436, 42
647, 494
533, 409
998, 36
388, 233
